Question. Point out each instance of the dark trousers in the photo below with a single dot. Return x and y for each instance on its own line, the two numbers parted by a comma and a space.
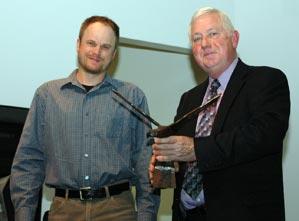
198, 214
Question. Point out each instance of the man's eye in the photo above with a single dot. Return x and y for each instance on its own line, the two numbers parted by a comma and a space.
107, 47
91, 43
197, 39
213, 34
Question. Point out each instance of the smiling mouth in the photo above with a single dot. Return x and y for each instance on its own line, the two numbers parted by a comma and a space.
95, 59
208, 54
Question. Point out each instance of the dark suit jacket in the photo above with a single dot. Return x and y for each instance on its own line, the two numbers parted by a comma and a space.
241, 161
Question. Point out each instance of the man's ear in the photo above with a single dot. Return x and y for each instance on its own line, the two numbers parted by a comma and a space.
235, 38
78, 44
114, 54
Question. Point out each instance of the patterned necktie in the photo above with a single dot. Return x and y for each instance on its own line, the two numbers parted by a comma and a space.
193, 180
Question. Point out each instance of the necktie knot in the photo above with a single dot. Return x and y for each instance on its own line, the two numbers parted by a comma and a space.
213, 88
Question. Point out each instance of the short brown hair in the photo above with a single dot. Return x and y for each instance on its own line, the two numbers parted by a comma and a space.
104, 20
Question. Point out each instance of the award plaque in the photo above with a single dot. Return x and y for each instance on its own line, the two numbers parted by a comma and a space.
164, 172
164, 175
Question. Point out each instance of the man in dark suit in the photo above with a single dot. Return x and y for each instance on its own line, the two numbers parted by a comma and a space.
239, 158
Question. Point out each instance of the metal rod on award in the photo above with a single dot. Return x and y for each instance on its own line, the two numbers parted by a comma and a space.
164, 172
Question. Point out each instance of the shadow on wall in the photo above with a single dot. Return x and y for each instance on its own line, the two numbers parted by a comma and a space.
198, 74
285, 146
114, 65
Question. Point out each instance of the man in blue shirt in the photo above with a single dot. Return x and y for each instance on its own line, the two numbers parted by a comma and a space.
82, 140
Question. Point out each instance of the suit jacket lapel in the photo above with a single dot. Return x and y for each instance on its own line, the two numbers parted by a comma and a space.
235, 83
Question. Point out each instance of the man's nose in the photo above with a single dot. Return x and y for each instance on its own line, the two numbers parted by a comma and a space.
205, 41
97, 50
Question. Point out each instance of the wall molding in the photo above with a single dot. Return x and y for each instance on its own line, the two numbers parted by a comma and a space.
128, 42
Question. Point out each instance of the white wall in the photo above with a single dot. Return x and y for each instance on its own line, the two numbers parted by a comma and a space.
37, 44
38, 37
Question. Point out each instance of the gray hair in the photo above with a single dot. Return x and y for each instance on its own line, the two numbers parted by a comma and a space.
226, 22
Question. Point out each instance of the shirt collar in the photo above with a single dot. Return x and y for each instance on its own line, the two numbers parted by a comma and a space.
225, 76
72, 80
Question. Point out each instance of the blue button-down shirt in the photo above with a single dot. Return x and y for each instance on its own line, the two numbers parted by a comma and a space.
73, 139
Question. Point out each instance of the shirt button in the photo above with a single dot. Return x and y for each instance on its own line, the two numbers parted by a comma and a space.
86, 155
86, 178
87, 114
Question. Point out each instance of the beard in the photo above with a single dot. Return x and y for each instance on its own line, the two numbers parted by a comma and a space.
102, 68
